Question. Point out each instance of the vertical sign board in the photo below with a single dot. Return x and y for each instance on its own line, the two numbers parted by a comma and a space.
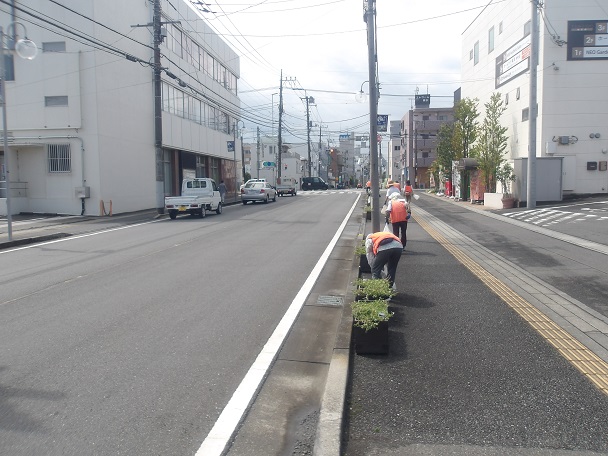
513, 62
588, 40
382, 122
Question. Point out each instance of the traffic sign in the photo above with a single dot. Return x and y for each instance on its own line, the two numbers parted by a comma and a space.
269, 164
382, 123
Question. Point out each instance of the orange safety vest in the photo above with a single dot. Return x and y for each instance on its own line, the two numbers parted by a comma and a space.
380, 236
409, 190
398, 211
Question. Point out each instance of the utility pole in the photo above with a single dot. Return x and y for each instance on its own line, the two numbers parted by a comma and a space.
308, 131
158, 120
320, 146
280, 141
234, 153
258, 155
370, 19
157, 33
242, 151
532, 107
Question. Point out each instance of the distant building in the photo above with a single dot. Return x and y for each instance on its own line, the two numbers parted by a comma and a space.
81, 114
572, 94
418, 131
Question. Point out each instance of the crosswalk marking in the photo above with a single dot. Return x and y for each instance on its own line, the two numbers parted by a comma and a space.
555, 215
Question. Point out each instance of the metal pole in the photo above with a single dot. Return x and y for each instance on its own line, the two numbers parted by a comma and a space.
370, 16
532, 108
242, 152
308, 135
9, 217
280, 138
234, 153
258, 156
158, 121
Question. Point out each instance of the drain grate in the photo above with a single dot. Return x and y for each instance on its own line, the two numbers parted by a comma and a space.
335, 301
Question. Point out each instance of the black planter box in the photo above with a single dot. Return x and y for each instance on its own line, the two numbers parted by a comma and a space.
364, 266
372, 342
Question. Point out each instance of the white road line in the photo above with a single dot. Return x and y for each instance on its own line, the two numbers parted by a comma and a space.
216, 441
77, 236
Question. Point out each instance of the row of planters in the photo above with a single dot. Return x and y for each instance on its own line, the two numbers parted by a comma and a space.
371, 315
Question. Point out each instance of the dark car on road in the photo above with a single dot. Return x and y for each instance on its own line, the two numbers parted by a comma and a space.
314, 183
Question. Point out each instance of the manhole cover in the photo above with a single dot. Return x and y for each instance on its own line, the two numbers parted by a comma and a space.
336, 301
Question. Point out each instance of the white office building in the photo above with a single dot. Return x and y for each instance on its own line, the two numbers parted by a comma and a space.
572, 87
81, 115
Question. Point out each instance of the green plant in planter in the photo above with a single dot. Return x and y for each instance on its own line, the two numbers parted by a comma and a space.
368, 314
360, 249
373, 289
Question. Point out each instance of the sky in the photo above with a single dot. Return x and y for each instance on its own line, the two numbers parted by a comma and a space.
321, 48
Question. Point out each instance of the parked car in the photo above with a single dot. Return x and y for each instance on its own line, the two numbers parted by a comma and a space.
258, 191
314, 183
251, 180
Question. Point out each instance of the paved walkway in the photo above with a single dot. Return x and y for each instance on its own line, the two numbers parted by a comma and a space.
465, 375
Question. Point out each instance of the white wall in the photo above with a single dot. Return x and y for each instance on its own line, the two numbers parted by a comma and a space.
109, 120
572, 95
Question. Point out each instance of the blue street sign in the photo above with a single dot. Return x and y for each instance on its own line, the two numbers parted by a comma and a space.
230, 145
382, 122
269, 164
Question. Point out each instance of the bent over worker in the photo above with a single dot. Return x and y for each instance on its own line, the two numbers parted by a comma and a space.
383, 249
398, 213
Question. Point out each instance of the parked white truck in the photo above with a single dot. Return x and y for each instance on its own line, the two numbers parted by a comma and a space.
199, 195
284, 186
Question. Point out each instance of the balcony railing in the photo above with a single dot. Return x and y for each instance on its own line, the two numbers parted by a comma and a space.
428, 125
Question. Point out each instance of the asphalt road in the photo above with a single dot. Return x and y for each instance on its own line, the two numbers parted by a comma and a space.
133, 340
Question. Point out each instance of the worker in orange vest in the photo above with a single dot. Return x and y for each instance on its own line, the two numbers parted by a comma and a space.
383, 249
397, 214
408, 192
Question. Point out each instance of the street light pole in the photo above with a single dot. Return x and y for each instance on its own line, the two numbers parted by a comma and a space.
26, 49
370, 19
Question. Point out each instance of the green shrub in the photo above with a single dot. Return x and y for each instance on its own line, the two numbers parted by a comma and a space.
368, 314
373, 289
360, 249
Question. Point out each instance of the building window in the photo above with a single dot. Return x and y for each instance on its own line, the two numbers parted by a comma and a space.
500, 28
59, 158
490, 40
54, 46
61, 100
440, 117
527, 28
397, 147
476, 53
506, 99
517, 94
525, 114
471, 54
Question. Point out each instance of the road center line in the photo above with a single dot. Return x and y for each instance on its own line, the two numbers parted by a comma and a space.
216, 441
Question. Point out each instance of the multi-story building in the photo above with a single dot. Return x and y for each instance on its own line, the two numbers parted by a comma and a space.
418, 131
81, 115
395, 169
572, 92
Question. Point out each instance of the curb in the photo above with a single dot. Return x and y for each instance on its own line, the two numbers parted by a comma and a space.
328, 438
